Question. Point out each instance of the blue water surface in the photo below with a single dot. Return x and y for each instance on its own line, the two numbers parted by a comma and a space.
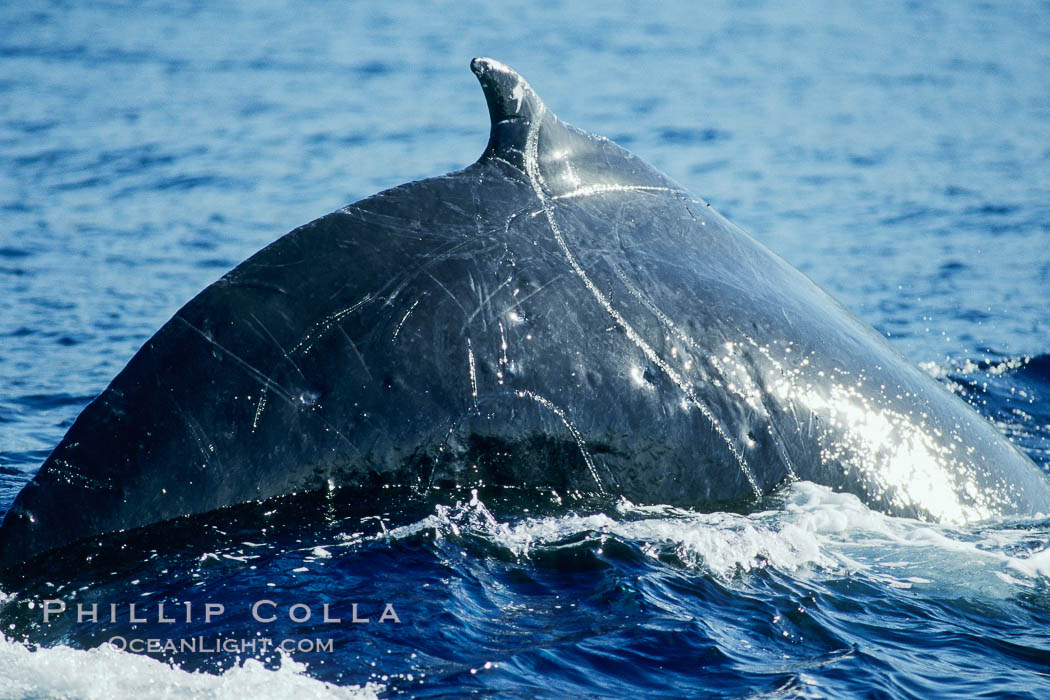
898, 153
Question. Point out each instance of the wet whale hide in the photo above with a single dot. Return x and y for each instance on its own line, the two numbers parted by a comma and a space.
558, 315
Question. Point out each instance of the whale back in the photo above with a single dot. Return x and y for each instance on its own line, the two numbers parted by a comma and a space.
557, 318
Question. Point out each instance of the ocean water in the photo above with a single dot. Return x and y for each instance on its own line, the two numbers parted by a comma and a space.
898, 154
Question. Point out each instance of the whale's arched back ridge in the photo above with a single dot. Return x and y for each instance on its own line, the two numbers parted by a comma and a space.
557, 317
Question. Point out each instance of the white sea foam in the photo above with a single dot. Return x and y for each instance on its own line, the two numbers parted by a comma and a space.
109, 674
813, 530
939, 370
909, 552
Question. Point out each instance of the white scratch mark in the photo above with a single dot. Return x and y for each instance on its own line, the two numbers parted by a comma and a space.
320, 328
473, 374
531, 294
502, 344
549, 405
485, 301
262, 378
259, 410
405, 317
447, 291
603, 189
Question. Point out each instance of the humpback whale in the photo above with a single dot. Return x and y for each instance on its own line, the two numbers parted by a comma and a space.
558, 315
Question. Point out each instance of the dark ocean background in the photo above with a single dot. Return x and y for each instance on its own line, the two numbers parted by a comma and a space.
898, 153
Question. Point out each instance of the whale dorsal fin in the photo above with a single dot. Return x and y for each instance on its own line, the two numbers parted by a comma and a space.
514, 108
563, 158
